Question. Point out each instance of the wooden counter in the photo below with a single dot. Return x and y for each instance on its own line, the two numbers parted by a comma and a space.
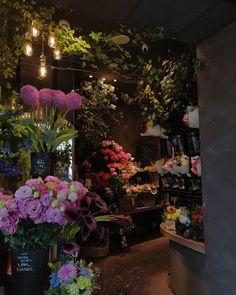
191, 244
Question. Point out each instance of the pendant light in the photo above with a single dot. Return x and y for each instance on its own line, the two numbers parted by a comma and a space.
43, 65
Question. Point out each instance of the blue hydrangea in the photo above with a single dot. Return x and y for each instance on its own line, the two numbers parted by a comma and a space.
55, 281
84, 271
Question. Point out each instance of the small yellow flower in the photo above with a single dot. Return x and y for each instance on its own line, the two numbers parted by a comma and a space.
171, 209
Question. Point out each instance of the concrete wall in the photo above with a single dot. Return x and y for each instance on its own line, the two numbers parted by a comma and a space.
217, 100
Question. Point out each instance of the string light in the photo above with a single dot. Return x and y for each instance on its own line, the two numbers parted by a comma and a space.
57, 54
51, 40
90, 76
42, 68
28, 48
114, 80
34, 29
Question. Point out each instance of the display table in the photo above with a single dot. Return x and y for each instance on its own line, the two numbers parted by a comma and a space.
187, 264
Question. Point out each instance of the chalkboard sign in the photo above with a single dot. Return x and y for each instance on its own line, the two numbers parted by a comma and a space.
146, 154
148, 150
42, 164
25, 262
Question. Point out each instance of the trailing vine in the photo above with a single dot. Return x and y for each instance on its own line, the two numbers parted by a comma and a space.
15, 19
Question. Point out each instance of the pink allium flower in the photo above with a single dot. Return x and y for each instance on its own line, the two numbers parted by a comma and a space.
23, 192
67, 272
30, 96
45, 97
59, 99
74, 101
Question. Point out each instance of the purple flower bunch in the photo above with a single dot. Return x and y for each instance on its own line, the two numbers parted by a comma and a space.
73, 278
40, 202
34, 98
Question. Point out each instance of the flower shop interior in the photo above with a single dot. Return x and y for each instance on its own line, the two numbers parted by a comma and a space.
117, 147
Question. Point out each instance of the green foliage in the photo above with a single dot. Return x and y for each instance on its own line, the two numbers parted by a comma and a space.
15, 18
95, 117
33, 236
166, 90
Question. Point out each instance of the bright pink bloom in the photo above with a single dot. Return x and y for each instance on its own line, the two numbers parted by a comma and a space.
45, 97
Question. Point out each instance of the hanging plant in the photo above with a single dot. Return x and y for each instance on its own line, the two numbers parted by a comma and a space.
15, 21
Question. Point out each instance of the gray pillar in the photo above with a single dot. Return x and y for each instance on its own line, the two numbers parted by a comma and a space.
217, 100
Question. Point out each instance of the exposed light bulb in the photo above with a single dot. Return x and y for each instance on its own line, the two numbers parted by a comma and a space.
42, 68
114, 80
42, 72
35, 32
51, 40
28, 48
90, 76
57, 54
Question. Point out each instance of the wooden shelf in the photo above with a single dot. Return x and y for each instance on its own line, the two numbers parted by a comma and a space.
148, 208
191, 244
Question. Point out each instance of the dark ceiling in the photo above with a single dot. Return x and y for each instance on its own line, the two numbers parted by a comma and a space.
189, 21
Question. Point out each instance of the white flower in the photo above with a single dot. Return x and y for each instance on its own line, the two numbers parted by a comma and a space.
72, 196
62, 195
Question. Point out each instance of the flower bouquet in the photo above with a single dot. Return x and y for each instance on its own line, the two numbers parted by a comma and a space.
73, 278
45, 124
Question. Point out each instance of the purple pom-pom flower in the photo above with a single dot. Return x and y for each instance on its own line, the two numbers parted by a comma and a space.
74, 101
30, 96
45, 97
59, 99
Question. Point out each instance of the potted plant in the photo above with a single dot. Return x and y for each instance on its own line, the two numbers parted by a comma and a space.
39, 215
46, 125
72, 277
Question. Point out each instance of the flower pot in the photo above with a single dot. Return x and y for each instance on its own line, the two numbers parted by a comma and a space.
29, 272
42, 164
180, 228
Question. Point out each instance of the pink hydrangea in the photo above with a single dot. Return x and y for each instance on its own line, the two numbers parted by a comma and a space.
30, 96
45, 97
74, 101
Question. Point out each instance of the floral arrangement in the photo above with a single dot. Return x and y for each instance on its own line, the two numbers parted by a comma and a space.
42, 212
171, 213
112, 169
73, 278
46, 125
141, 188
